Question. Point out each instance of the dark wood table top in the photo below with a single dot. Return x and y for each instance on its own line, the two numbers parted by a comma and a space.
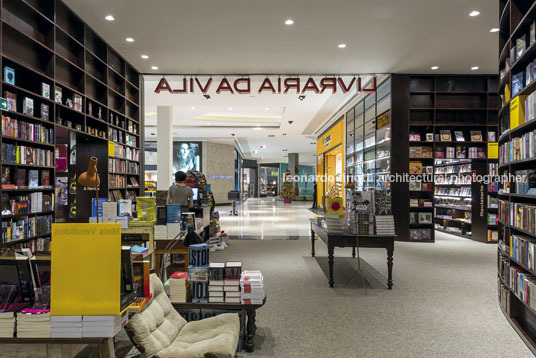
217, 306
320, 230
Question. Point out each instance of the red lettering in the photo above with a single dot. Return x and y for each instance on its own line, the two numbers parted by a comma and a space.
310, 85
247, 82
328, 83
279, 85
224, 86
267, 85
191, 85
183, 89
370, 90
204, 90
344, 88
292, 83
163, 85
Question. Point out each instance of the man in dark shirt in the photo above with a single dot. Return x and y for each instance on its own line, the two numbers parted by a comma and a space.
179, 193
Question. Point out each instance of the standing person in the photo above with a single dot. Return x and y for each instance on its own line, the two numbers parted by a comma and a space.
179, 193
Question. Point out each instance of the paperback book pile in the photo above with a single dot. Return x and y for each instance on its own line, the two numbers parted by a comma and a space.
385, 225
160, 232
231, 286
66, 326
198, 272
216, 282
103, 326
334, 223
7, 324
178, 289
33, 323
252, 285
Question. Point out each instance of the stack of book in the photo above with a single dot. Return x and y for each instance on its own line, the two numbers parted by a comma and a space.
334, 223
7, 324
178, 287
216, 282
198, 272
160, 232
66, 326
33, 323
231, 285
103, 326
385, 225
252, 285
173, 229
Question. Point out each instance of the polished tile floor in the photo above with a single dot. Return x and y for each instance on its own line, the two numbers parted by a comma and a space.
267, 218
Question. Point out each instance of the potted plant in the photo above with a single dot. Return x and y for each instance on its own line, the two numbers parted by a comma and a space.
287, 191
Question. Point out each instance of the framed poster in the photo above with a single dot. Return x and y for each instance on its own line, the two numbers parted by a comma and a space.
186, 156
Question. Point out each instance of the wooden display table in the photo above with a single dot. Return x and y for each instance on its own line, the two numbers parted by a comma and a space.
248, 316
178, 249
146, 231
68, 347
347, 239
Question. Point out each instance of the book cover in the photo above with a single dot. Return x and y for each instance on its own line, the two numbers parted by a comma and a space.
28, 106
532, 36
77, 100
476, 136
125, 207
6, 175
459, 136
33, 178
9, 75
445, 135
45, 177
45, 90
20, 178
58, 94
11, 101
62, 190
521, 44
109, 211
425, 218
382, 202
94, 206
44, 112
173, 213
491, 136
415, 167
429, 137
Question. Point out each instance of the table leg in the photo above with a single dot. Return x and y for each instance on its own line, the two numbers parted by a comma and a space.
250, 330
353, 252
330, 262
106, 348
390, 268
312, 243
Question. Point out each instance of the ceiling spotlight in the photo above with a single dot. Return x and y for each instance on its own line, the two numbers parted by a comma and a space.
262, 157
206, 96
301, 97
129, 39
152, 133
474, 13
208, 124
495, 29
434, 68
266, 109
254, 151
289, 22
192, 107
154, 68
109, 18
285, 150
284, 133
474, 68
257, 128
230, 108
342, 46
263, 146
144, 57
313, 143
351, 134
233, 134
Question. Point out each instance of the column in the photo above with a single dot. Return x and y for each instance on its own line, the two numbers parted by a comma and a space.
294, 167
164, 147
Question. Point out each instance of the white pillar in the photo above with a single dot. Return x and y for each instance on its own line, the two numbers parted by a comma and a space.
164, 147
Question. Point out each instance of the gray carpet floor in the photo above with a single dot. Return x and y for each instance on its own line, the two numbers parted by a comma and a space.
443, 303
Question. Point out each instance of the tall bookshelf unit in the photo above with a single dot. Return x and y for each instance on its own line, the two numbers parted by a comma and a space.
517, 155
93, 100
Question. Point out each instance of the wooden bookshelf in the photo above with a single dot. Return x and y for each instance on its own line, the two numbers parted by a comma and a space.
516, 20
427, 105
46, 42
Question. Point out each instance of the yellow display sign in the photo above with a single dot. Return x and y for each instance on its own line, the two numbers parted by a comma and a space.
85, 269
517, 111
493, 150
331, 138
336, 206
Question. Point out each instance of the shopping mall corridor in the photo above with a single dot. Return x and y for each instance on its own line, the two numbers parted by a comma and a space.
267, 218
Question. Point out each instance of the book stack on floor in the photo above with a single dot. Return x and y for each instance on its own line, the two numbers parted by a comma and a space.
198, 272
385, 225
33, 323
231, 285
252, 285
216, 282
103, 326
178, 287
66, 326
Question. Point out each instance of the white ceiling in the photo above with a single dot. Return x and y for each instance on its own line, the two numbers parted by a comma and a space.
249, 36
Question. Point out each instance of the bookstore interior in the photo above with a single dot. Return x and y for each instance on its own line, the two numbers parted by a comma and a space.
169, 191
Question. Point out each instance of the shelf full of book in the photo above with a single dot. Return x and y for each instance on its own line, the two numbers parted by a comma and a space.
517, 159
451, 122
69, 96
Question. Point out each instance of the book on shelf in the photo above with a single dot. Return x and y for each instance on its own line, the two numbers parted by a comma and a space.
28, 106
459, 136
429, 137
414, 137
11, 101
445, 135
521, 44
45, 90
532, 33
9, 75
518, 83
415, 167
425, 218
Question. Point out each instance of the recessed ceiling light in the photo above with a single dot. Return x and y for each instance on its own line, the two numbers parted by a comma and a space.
289, 22
254, 151
109, 17
230, 108
494, 29
474, 68
257, 128
263, 146
152, 133
129, 39
193, 107
208, 124
474, 13
154, 67
342, 46
266, 109
434, 68
284, 133
144, 57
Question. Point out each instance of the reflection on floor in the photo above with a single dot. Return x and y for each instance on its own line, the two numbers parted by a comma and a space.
267, 218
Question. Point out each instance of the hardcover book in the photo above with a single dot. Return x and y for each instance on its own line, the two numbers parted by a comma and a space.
45, 90
532, 33
459, 136
77, 100
28, 106
58, 94
11, 101
445, 135
415, 167
476, 136
44, 112
9, 75
520, 46
33, 178
45, 177
429, 137
6, 175
20, 178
